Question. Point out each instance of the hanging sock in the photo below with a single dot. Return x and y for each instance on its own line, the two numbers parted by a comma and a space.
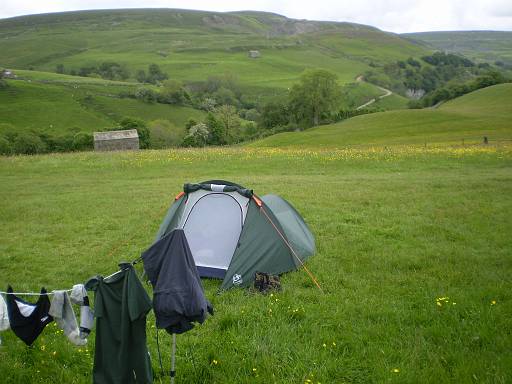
4, 316
63, 314
28, 320
79, 296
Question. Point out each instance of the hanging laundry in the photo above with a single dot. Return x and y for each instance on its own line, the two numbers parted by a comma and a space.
63, 314
4, 316
79, 296
28, 320
178, 296
120, 307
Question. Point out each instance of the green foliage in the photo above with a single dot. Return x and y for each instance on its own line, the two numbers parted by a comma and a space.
155, 74
442, 58
113, 71
274, 115
142, 130
216, 129
452, 91
172, 92
83, 141
28, 143
146, 95
164, 134
197, 136
227, 116
315, 97
5, 146
59, 68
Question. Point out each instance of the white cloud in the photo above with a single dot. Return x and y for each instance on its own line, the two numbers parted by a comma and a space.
389, 15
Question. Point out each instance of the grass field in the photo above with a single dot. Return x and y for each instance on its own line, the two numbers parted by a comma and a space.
485, 112
413, 257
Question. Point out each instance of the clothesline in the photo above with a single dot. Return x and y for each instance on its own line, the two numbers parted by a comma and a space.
32, 293
67, 290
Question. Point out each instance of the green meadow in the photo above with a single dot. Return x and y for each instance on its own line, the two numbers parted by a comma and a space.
413, 259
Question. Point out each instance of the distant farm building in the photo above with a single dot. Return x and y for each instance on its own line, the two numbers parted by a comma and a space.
116, 140
254, 54
8, 74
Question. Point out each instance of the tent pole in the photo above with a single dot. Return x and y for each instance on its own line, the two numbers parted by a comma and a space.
173, 358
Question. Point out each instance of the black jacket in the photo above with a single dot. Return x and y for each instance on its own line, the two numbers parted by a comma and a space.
178, 297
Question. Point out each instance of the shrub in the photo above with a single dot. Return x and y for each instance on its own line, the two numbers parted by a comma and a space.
164, 134
82, 141
197, 136
28, 143
5, 146
142, 130
146, 95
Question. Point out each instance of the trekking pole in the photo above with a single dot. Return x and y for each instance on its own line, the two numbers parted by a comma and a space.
173, 358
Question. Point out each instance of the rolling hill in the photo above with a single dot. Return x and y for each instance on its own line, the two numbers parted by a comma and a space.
485, 112
192, 45
481, 46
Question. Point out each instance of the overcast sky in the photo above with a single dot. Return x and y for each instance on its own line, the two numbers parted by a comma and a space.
390, 15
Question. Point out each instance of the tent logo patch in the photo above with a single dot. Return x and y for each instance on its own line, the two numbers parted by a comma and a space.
237, 279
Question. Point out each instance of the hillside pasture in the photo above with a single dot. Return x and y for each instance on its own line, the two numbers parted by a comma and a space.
465, 120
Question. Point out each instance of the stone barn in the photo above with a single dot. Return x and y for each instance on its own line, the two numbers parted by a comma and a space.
116, 140
254, 54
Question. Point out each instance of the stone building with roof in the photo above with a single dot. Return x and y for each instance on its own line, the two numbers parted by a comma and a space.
116, 140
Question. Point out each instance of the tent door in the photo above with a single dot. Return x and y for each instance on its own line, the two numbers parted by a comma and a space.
213, 228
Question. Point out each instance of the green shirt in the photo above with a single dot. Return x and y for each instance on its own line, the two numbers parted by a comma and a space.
121, 305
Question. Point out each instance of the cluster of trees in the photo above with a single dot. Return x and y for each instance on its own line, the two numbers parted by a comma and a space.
432, 72
108, 70
154, 75
220, 127
451, 91
15, 142
111, 70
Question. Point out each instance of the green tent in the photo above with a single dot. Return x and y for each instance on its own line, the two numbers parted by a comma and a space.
232, 233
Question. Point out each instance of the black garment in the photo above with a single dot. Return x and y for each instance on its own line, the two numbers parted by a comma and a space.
178, 297
120, 306
29, 327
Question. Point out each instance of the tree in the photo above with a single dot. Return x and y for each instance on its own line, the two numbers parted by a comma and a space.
146, 95
59, 68
315, 96
273, 115
173, 93
140, 126
28, 143
216, 129
197, 136
140, 75
228, 117
155, 74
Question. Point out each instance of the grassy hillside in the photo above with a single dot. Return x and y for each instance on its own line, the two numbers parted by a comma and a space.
485, 112
57, 104
413, 257
487, 46
192, 45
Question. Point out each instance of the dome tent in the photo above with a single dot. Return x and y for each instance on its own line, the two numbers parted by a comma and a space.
232, 233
